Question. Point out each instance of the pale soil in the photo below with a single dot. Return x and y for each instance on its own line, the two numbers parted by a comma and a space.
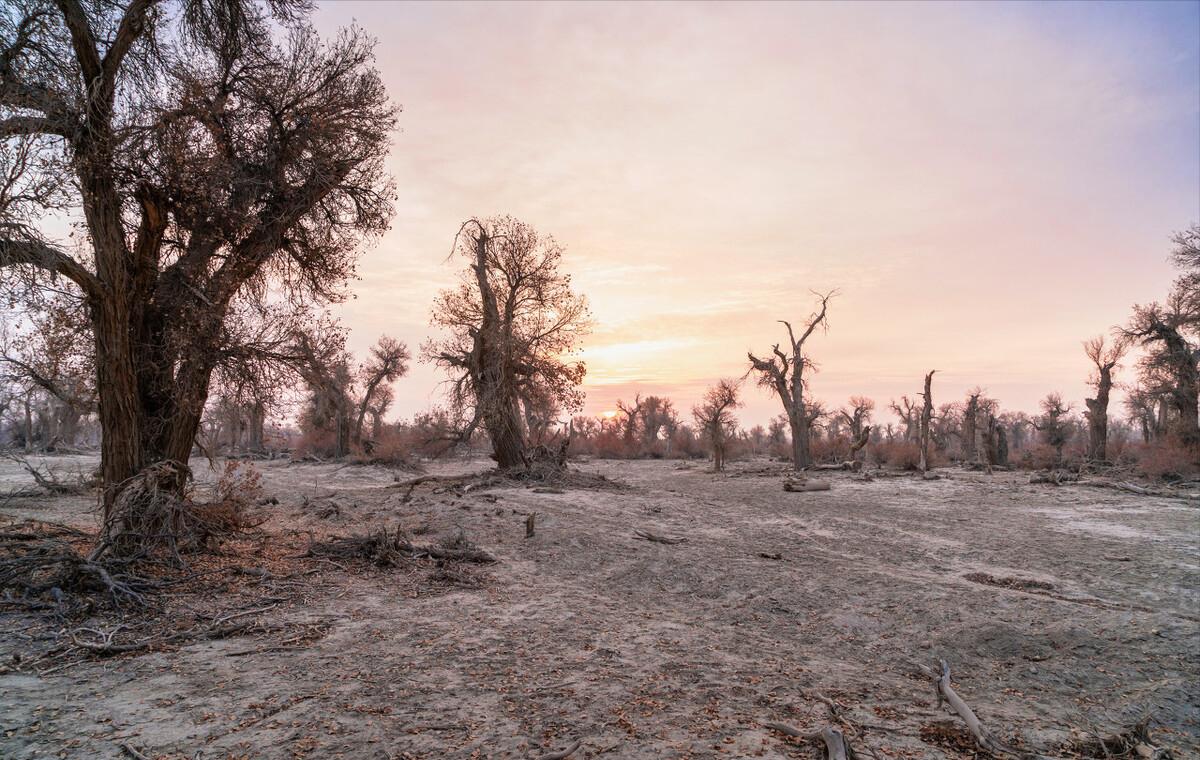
645, 650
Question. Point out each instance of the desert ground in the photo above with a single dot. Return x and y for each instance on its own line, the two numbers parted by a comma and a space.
1064, 613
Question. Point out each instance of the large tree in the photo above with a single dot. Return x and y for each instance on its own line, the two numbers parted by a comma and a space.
1170, 331
209, 162
784, 373
513, 323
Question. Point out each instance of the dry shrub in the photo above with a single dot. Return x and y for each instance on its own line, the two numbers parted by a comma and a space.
900, 455
1167, 461
1041, 456
321, 444
825, 450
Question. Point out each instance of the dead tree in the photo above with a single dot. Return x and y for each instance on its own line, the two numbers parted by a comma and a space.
388, 361
632, 413
511, 320
1105, 358
970, 426
209, 159
926, 419
784, 373
714, 415
910, 417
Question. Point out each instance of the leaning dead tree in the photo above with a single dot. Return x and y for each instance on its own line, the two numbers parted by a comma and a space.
1105, 359
714, 416
784, 374
211, 164
926, 419
512, 319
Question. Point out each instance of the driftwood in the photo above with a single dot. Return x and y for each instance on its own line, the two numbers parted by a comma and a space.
798, 486
946, 694
651, 537
1061, 477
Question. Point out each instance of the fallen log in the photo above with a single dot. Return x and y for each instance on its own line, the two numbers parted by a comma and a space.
800, 486
853, 466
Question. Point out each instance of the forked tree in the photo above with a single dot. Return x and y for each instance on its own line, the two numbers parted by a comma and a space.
784, 373
511, 321
714, 416
1105, 357
210, 164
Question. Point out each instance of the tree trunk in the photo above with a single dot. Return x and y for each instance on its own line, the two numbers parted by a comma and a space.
121, 454
926, 420
968, 431
1097, 417
800, 444
28, 423
257, 420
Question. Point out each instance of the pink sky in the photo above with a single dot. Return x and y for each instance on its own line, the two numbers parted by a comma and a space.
987, 185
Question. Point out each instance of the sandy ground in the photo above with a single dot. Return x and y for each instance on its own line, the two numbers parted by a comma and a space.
646, 650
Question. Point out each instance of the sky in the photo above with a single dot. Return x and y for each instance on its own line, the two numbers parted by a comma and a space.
985, 184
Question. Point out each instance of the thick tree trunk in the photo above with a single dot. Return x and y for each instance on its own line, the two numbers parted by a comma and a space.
801, 456
120, 412
1097, 417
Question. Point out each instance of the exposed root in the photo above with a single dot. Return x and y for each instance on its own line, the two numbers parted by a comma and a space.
1134, 742
154, 512
37, 564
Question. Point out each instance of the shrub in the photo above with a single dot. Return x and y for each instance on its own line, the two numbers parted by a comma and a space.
1168, 461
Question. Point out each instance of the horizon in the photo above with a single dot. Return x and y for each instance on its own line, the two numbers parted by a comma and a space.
986, 185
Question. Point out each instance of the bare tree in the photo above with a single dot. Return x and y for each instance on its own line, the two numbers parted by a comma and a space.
714, 415
1053, 425
511, 319
387, 362
857, 415
970, 426
208, 162
632, 412
1105, 358
784, 373
910, 416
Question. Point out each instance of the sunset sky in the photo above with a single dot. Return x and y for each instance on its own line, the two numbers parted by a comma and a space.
987, 184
